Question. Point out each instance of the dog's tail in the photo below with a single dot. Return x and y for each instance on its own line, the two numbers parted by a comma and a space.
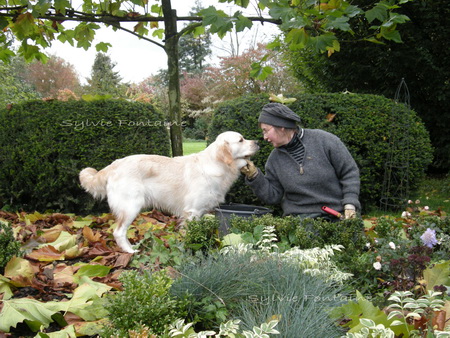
94, 182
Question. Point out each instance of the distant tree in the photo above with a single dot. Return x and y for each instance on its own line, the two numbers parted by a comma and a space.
104, 80
193, 52
233, 77
14, 88
51, 77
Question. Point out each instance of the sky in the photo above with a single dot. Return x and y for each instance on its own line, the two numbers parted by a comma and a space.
137, 59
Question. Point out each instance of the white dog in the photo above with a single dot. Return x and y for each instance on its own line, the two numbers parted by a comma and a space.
185, 186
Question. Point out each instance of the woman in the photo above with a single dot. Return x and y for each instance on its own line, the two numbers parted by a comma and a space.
307, 169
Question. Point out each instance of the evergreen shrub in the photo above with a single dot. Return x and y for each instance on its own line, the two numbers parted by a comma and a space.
367, 124
9, 247
44, 145
145, 301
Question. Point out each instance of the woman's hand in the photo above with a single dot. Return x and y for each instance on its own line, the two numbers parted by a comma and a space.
249, 170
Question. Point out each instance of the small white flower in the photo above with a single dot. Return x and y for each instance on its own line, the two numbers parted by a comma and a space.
406, 214
426, 208
417, 201
392, 245
368, 245
410, 202
377, 266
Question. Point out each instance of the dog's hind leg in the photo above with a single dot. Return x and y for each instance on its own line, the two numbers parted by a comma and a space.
124, 219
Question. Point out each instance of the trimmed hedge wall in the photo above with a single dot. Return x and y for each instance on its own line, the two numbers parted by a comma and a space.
365, 123
44, 145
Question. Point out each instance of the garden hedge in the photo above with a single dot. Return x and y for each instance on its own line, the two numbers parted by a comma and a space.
44, 145
368, 124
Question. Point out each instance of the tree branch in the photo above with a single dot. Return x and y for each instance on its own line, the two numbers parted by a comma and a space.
138, 35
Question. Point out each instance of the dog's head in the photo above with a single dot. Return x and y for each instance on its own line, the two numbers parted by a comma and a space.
233, 148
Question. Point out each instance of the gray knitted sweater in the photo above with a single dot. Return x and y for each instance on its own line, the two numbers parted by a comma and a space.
328, 177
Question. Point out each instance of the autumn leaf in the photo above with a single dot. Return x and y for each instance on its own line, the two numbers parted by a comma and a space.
19, 271
90, 236
5, 288
63, 274
330, 117
89, 270
46, 254
35, 314
52, 234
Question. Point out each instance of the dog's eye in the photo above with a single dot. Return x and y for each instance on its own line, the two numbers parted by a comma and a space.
241, 140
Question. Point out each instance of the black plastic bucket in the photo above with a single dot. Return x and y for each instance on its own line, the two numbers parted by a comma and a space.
225, 211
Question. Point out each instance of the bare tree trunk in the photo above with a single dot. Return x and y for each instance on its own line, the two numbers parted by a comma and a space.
171, 48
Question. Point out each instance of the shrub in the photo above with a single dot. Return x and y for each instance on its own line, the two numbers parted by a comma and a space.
306, 233
44, 145
202, 233
144, 302
9, 247
363, 122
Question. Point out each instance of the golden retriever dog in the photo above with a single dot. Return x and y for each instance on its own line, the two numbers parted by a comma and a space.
185, 186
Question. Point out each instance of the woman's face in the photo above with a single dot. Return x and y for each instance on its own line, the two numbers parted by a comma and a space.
276, 135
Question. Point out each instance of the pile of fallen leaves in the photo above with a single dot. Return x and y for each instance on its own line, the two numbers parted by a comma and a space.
70, 262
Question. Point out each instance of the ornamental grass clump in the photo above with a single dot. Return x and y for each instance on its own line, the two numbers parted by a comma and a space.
255, 289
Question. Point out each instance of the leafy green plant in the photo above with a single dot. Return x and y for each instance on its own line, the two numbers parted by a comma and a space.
370, 329
160, 250
405, 307
315, 261
358, 310
229, 329
202, 233
144, 301
9, 247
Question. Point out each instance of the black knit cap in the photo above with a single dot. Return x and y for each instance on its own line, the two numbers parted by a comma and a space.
278, 115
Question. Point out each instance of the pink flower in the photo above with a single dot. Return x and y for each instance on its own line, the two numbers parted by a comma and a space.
426, 208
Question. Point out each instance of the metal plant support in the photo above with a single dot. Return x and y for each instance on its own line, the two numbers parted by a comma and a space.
395, 190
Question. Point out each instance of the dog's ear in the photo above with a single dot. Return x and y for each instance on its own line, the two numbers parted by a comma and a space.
224, 154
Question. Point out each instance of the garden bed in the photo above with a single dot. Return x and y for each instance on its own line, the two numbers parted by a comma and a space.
63, 275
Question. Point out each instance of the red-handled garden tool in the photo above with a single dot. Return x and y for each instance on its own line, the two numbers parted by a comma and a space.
333, 212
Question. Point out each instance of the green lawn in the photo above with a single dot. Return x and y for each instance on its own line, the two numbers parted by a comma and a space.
190, 147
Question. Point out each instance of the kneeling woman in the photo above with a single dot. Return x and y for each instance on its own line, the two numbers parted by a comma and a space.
306, 170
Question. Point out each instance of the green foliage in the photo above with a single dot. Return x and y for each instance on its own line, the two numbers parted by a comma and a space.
361, 308
44, 145
256, 290
229, 329
9, 247
363, 123
14, 89
104, 80
144, 301
202, 233
364, 67
303, 233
